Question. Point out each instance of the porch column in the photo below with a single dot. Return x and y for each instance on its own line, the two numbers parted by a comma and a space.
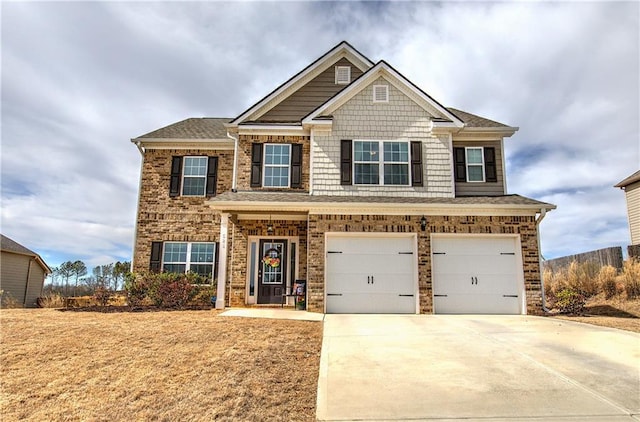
222, 260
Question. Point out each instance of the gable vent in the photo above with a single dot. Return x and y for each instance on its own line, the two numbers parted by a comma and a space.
381, 93
343, 75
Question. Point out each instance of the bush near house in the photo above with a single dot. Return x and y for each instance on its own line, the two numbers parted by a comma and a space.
569, 289
168, 290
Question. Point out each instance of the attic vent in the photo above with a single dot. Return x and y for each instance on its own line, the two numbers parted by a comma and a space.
380, 93
343, 75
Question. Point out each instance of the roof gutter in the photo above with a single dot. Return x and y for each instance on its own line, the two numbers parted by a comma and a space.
543, 213
234, 183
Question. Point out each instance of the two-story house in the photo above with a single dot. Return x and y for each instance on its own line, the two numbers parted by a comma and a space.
352, 178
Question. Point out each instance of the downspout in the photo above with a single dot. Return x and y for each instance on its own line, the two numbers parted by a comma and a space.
26, 286
543, 213
135, 233
234, 184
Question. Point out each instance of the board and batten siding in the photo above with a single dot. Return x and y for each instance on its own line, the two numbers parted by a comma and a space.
632, 192
13, 278
310, 96
399, 119
482, 188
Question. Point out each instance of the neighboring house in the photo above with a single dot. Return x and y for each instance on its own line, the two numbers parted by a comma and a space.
22, 272
631, 188
352, 178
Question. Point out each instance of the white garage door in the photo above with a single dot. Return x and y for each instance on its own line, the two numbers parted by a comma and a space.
476, 275
369, 274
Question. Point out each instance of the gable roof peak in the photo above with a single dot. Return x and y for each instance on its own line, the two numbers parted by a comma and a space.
342, 49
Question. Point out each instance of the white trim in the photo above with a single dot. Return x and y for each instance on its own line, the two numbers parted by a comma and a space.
321, 64
338, 72
222, 260
380, 89
467, 164
204, 144
504, 167
265, 165
381, 162
384, 70
183, 176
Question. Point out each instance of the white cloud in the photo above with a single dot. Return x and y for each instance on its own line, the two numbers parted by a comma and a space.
80, 79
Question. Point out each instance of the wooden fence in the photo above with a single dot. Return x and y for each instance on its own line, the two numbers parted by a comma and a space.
607, 256
633, 251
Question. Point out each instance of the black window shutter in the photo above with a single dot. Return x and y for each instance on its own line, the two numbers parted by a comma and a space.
345, 161
460, 165
296, 165
490, 172
156, 257
416, 163
256, 165
212, 176
176, 175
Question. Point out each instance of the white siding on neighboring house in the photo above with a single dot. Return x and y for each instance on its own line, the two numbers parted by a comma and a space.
399, 119
632, 192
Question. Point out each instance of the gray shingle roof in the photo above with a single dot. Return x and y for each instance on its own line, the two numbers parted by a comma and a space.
10, 245
472, 120
635, 177
193, 128
282, 197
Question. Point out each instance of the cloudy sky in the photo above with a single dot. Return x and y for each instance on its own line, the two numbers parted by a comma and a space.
80, 79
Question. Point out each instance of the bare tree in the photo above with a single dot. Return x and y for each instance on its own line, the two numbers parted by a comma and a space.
79, 270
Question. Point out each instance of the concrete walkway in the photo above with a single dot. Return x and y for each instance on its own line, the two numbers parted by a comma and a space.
273, 313
476, 368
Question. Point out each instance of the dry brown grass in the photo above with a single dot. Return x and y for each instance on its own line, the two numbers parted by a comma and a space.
186, 365
616, 312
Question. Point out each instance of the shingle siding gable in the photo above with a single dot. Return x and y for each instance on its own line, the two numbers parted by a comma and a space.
400, 118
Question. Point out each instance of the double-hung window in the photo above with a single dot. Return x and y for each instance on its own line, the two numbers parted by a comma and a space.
381, 163
184, 257
277, 159
475, 164
194, 176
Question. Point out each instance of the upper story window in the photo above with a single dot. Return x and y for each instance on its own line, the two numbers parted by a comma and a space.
395, 163
369, 164
343, 75
277, 160
276, 165
184, 257
475, 164
381, 93
193, 176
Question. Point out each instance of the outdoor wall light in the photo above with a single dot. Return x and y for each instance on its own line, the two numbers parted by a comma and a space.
270, 227
423, 223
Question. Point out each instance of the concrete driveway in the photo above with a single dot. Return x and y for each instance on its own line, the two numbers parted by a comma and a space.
488, 368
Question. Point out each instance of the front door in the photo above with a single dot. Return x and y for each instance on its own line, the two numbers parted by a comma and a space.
272, 278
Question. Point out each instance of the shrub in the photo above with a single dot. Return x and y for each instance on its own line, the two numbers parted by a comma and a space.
172, 290
569, 301
7, 301
607, 281
136, 288
102, 295
203, 295
51, 300
631, 278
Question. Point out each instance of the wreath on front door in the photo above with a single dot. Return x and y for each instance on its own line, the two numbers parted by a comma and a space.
271, 258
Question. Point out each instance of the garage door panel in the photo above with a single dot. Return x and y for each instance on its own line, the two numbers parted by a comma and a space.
476, 304
484, 264
370, 274
476, 274
368, 303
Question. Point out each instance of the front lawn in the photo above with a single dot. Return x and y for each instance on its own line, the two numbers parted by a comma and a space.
170, 365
